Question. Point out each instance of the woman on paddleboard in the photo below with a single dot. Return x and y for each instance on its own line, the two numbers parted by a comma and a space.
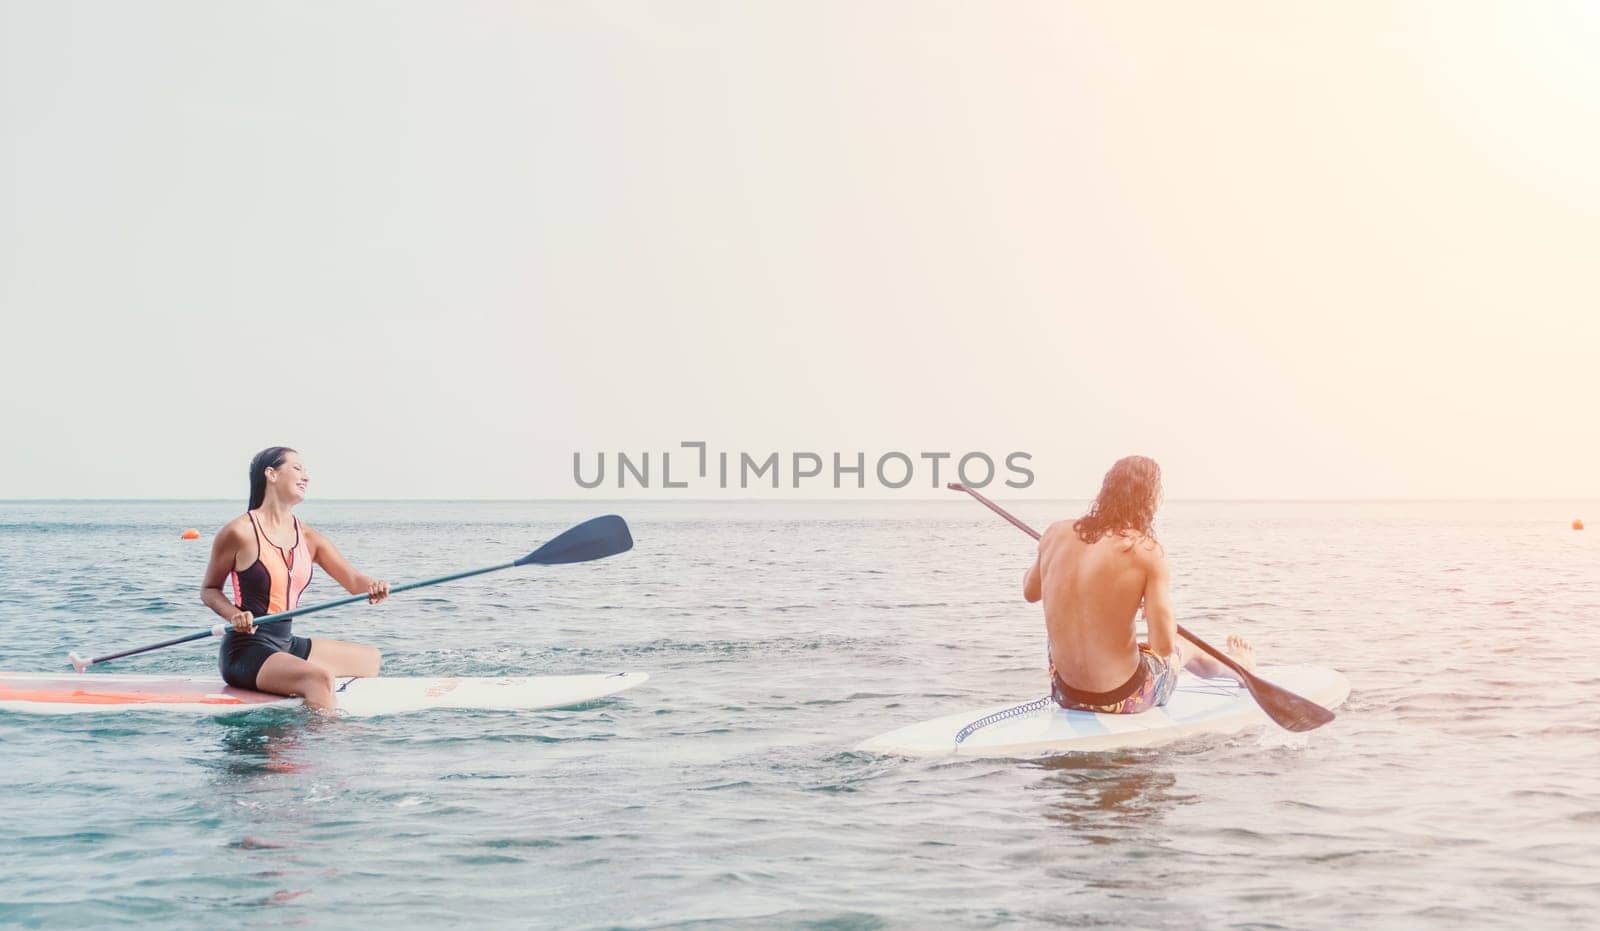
268, 555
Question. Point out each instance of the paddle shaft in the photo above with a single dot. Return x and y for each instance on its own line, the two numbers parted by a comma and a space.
339, 603
281, 616
216, 631
595, 538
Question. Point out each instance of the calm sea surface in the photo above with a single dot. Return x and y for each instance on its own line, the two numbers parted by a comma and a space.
1460, 786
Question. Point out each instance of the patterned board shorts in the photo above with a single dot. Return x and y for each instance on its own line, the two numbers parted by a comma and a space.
1160, 677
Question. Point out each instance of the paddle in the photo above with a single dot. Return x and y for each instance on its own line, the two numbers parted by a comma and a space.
1289, 710
596, 538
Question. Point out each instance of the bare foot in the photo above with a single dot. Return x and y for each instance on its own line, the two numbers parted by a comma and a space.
1242, 652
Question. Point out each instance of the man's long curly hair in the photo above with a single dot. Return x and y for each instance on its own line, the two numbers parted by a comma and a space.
1127, 500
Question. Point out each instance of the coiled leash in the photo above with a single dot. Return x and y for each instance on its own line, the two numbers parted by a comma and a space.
1016, 711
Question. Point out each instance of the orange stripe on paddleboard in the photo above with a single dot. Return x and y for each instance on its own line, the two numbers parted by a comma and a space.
78, 697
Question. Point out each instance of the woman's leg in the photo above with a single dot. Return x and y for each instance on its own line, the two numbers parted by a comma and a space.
286, 674
345, 659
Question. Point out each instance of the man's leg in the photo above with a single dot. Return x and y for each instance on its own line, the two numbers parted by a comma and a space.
1200, 663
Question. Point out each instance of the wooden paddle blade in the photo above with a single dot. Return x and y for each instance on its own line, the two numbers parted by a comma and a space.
596, 538
1290, 711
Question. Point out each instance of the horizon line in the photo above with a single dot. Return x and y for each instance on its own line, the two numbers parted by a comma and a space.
813, 500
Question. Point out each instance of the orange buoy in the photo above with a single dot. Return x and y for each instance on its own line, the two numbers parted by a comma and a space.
191, 534
1577, 523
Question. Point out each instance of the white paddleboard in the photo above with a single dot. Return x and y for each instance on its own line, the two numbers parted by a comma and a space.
1197, 706
48, 693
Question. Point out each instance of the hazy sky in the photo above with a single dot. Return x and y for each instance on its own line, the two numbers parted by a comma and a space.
1288, 249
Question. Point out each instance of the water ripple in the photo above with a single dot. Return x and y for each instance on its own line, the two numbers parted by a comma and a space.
1459, 786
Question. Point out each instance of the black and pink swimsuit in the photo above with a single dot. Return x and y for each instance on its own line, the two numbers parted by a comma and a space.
270, 585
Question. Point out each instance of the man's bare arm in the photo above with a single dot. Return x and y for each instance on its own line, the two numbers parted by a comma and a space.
1163, 627
1031, 590
1164, 639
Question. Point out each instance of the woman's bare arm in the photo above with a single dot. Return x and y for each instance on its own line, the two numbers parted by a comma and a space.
224, 558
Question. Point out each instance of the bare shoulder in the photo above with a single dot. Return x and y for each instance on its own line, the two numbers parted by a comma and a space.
1147, 550
1057, 534
234, 538
237, 530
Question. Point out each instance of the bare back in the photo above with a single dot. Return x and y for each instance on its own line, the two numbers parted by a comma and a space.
1091, 594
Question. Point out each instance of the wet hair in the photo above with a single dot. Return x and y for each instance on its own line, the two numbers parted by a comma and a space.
1127, 500
270, 458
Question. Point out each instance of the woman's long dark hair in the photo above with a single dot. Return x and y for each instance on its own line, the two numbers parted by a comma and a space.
269, 458
1127, 500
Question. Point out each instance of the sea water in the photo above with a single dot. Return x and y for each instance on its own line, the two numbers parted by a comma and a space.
1459, 787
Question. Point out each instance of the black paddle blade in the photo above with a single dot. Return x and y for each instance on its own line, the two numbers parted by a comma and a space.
596, 538
1291, 712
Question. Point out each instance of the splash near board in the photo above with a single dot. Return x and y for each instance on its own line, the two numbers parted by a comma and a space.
1198, 706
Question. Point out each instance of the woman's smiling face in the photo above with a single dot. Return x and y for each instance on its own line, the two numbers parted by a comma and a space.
289, 479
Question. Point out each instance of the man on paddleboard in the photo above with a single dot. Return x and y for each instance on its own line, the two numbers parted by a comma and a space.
268, 555
1092, 575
